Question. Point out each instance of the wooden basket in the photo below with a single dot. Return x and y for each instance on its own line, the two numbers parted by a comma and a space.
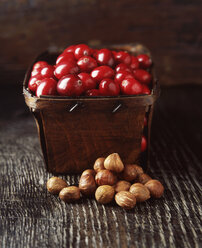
74, 132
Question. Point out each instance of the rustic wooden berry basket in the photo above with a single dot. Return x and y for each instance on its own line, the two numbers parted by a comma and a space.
74, 132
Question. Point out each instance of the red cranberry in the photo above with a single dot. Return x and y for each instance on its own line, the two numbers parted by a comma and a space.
36, 73
82, 50
46, 87
69, 49
92, 92
122, 67
123, 57
105, 57
134, 63
131, 86
108, 87
144, 61
121, 75
47, 72
143, 76
143, 144
145, 121
39, 64
70, 85
65, 57
63, 69
87, 63
102, 72
87, 80
146, 90
33, 83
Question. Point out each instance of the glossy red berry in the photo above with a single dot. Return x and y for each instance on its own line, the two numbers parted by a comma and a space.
121, 75
146, 90
108, 87
82, 50
36, 73
33, 83
47, 71
70, 85
131, 86
92, 92
142, 76
69, 49
46, 87
39, 64
105, 57
65, 57
87, 80
102, 72
122, 57
143, 144
122, 67
62, 69
86, 63
134, 63
144, 61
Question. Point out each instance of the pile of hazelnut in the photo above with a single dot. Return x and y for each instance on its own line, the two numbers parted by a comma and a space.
109, 180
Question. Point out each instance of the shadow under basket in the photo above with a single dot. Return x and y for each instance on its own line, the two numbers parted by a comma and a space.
74, 132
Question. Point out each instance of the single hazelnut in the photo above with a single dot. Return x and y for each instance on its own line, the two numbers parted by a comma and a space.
155, 187
55, 185
87, 184
105, 177
139, 169
99, 164
113, 162
89, 171
129, 173
143, 178
69, 194
104, 194
122, 186
125, 199
140, 191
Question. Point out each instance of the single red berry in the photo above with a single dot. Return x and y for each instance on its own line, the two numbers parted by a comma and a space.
36, 73
46, 87
142, 76
105, 57
87, 63
102, 72
70, 85
62, 69
47, 71
108, 87
123, 57
144, 61
65, 57
145, 121
122, 67
143, 144
134, 63
131, 86
39, 64
92, 92
87, 80
146, 90
69, 49
33, 83
82, 50
121, 75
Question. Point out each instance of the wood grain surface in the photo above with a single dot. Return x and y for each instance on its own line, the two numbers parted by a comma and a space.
31, 217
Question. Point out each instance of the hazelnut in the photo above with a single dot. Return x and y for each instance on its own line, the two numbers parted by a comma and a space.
155, 187
104, 194
113, 162
105, 177
122, 186
129, 173
87, 184
139, 169
89, 171
125, 199
140, 191
99, 164
143, 178
55, 185
69, 194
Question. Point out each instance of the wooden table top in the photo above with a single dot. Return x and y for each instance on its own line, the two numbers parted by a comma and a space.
31, 217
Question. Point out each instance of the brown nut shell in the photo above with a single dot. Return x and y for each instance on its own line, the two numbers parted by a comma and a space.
55, 185
87, 184
122, 186
143, 178
105, 177
88, 171
140, 191
139, 169
155, 187
70, 194
125, 199
113, 162
129, 173
99, 164
104, 194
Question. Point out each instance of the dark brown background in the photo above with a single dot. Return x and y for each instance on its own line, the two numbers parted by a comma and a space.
171, 29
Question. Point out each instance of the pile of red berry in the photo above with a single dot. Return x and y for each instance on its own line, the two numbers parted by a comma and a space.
81, 70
